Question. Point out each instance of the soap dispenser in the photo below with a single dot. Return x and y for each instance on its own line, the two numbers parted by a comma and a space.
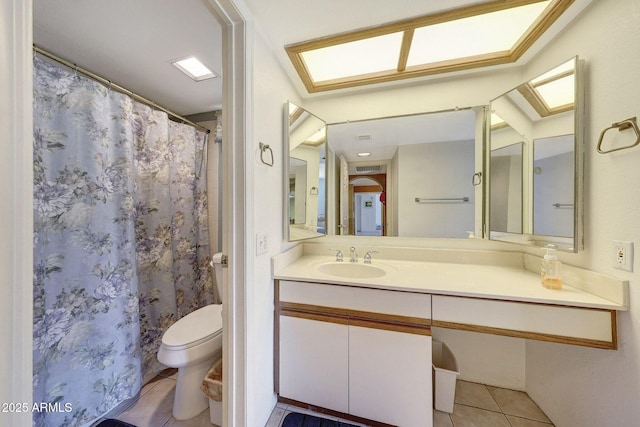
550, 269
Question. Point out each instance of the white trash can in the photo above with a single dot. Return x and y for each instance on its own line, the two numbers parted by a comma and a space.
445, 374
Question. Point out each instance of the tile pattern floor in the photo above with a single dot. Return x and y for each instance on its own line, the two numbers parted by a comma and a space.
476, 405
153, 409
479, 405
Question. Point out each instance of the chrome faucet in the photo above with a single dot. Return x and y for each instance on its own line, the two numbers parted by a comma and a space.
354, 255
338, 254
367, 256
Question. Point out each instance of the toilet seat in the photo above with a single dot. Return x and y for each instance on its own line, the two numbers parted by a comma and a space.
195, 328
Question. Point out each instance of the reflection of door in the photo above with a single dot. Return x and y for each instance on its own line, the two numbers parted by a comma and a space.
373, 186
344, 197
368, 214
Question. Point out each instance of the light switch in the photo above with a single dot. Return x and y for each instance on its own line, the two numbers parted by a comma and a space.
262, 243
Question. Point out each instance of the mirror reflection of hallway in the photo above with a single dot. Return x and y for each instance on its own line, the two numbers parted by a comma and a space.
367, 208
425, 155
368, 214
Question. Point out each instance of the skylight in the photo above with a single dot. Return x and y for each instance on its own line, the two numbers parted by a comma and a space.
193, 68
490, 33
356, 57
476, 35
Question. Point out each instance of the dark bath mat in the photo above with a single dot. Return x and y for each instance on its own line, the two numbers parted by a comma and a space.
114, 423
296, 419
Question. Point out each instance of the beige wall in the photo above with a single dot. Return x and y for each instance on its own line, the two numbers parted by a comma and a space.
265, 185
578, 386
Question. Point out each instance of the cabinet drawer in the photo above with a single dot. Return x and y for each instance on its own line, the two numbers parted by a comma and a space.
353, 298
570, 325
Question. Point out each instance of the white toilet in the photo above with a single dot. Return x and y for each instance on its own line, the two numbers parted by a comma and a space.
192, 344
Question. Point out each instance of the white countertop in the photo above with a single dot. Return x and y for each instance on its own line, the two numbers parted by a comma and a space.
447, 278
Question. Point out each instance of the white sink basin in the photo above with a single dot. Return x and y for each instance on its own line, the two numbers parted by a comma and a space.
351, 270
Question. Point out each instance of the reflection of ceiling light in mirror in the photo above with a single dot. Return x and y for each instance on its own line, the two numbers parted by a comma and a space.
558, 92
364, 154
556, 87
567, 67
318, 135
496, 119
193, 68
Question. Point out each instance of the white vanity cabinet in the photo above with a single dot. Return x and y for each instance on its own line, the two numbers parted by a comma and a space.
588, 327
360, 352
314, 362
390, 376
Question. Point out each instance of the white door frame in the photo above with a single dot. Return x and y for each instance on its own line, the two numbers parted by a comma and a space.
236, 103
16, 215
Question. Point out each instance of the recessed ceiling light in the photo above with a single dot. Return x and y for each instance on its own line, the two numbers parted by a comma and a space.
364, 154
193, 68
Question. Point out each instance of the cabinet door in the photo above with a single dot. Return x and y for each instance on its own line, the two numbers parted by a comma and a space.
390, 376
314, 362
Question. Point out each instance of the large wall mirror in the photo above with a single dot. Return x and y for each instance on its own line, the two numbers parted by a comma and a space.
407, 176
304, 176
535, 187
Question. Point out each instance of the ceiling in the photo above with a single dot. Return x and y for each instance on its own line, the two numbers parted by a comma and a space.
132, 42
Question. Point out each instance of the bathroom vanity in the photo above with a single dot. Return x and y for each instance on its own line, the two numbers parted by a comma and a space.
354, 339
356, 351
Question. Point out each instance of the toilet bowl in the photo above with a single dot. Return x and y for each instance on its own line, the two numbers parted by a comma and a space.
192, 344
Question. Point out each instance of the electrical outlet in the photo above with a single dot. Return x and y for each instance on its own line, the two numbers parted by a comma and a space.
623, 255
262, 243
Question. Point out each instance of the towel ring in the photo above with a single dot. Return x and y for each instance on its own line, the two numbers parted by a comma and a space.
263, 148
476, 179
623, 125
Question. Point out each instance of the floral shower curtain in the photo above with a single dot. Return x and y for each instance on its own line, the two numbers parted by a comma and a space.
121, 245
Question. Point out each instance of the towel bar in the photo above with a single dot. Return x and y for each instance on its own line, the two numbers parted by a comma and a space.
441, 200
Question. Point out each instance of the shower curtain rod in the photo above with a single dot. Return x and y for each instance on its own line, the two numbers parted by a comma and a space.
116, 87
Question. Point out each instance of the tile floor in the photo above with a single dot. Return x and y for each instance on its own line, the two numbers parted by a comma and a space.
479, 405
476, 405
153, 409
